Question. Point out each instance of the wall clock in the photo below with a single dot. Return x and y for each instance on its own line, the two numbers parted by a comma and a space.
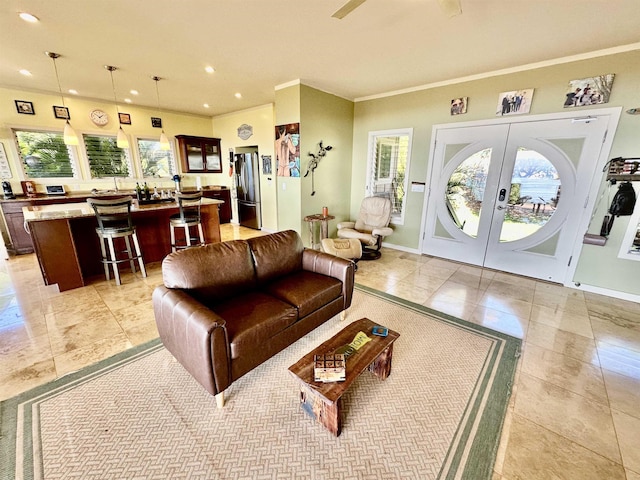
99, 117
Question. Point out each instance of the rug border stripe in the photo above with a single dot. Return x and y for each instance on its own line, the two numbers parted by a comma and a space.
468, 457
22, 406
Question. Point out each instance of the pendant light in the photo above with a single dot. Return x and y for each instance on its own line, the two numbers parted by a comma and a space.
164, 141
69, 135
122, 141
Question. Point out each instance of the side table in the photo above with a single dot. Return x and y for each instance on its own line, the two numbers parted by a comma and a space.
324, 228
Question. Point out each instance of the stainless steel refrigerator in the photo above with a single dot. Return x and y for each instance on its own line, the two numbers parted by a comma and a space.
247, 182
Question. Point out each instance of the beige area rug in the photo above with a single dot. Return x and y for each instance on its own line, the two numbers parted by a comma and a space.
139, 415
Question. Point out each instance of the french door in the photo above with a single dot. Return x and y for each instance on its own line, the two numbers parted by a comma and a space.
512, 196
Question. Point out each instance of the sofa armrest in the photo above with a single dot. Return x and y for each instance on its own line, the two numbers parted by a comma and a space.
195, 336
339, 268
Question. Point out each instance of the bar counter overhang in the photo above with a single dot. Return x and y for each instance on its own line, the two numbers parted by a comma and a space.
68, 249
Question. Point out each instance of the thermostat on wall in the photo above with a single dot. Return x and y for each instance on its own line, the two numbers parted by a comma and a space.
55, 190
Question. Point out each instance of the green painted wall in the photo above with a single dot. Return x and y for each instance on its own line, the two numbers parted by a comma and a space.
330, 119
420, 110
322, 116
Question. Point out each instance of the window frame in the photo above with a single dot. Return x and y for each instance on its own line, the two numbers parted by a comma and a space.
127, 152
173, 162
73, 154
373, 167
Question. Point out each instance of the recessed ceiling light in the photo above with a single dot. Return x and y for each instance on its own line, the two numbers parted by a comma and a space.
73, 91
26, 73
127, 100
133, 92
209, 69
238, 95
205, 105
27, 17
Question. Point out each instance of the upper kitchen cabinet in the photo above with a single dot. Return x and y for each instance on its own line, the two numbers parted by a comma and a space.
200, 154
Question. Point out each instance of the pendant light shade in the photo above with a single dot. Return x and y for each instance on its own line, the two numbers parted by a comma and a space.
164, 140
121, 141
69, 136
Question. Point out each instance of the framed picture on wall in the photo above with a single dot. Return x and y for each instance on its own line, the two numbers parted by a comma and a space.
589, 91
287, 148
459, 105
156, 122
266, 164
125, 118
515, 102
25, 107
61, 112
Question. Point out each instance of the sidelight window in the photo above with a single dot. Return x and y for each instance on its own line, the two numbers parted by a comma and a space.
388, 165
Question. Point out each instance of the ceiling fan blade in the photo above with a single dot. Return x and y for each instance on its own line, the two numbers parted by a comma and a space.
451, 8
347, 8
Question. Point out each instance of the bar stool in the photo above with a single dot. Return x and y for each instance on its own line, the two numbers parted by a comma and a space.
114, 221
189, 216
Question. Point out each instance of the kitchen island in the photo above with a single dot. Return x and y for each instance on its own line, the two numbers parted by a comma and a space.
68, 249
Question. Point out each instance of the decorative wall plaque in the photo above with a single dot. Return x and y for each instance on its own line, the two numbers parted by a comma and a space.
245, 131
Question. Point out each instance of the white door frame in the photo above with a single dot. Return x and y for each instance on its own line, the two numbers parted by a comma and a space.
613, 114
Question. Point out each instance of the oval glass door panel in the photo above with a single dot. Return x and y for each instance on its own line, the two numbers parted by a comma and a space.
534, 195
465, 191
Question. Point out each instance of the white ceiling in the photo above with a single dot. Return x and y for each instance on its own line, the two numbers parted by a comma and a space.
256, 45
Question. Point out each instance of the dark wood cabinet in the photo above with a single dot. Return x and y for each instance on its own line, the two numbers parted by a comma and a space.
224, 209
200, 154
20, 238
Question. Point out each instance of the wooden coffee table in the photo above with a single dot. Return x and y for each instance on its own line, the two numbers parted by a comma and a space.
323, 401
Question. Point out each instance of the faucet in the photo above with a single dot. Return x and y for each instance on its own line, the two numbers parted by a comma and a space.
115, 182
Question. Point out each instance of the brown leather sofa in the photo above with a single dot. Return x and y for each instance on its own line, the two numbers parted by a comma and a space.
227, 307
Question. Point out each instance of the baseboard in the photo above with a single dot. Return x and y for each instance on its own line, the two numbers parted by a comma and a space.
401, 248
605, 291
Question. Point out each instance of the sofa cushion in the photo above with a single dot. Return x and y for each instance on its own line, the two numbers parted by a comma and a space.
252, 319
211, 273
307, 291
276, 255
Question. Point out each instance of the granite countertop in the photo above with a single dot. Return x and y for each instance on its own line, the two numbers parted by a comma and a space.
101, 193
83, 209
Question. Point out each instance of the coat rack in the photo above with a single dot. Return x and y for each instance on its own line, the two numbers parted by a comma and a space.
623, 169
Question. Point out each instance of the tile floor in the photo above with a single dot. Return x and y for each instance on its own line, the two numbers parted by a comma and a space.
575, 412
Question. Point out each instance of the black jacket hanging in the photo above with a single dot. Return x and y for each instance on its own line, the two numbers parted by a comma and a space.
622, 204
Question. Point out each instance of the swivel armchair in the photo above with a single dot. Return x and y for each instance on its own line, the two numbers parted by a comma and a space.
371, 226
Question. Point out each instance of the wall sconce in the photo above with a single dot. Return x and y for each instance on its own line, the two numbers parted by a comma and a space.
122, 141
69, 135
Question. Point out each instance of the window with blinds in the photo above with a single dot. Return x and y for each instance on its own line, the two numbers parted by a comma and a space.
154, 161
44, 154
388, 163
105, 158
